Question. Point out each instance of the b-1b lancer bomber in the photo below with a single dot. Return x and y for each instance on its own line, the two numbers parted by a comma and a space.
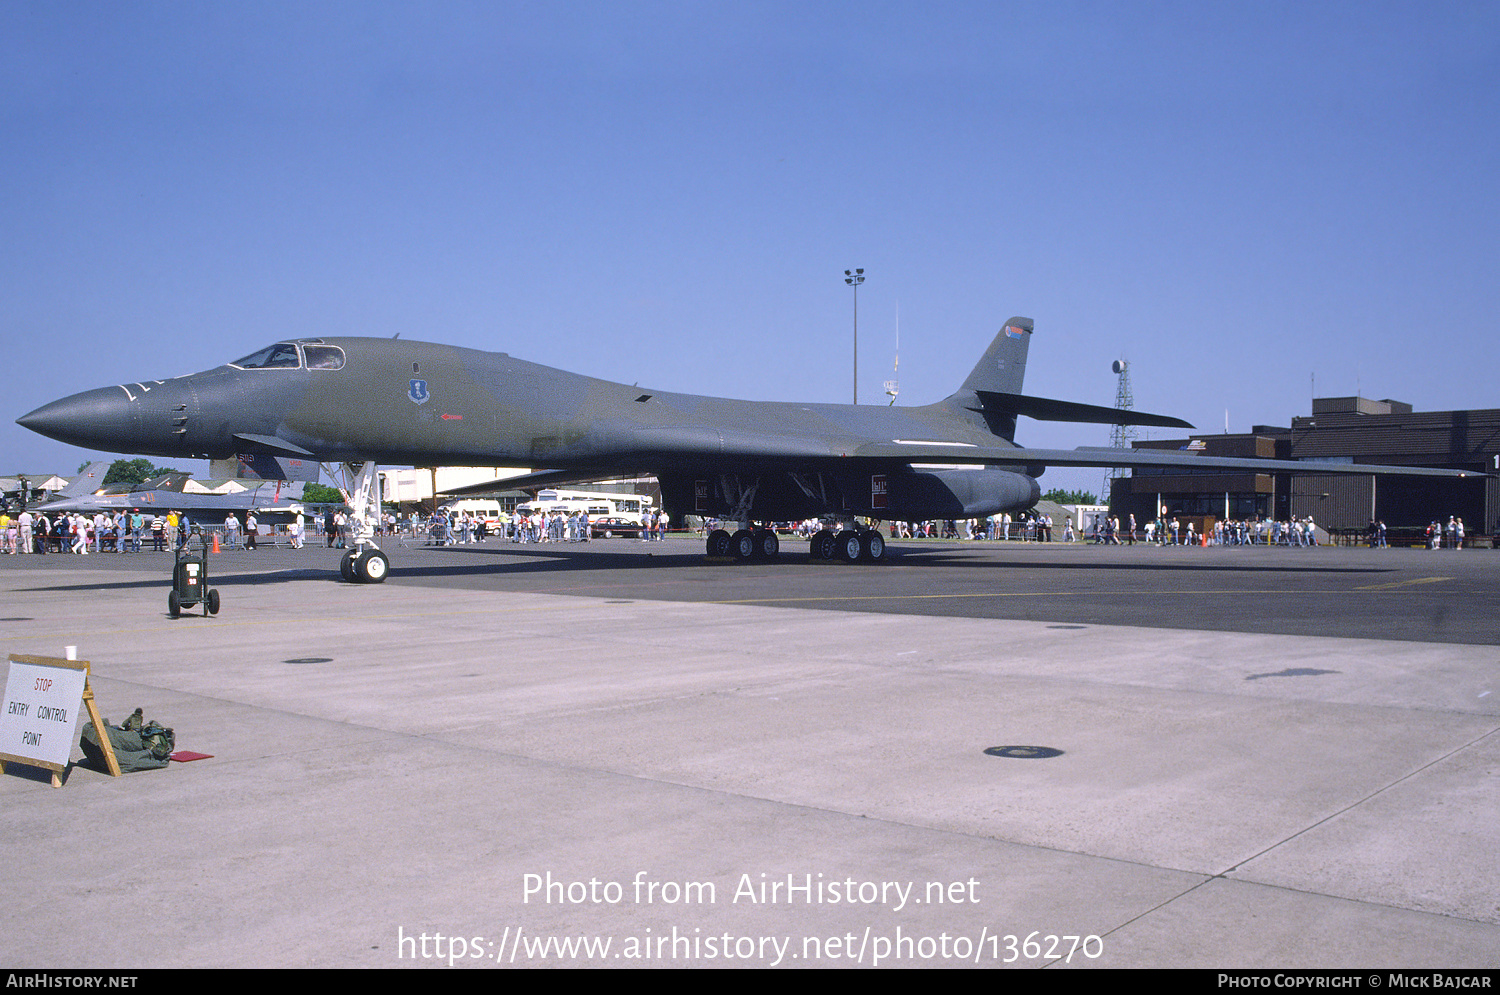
363, 401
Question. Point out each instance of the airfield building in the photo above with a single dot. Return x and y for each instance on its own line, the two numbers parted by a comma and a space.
1340, 429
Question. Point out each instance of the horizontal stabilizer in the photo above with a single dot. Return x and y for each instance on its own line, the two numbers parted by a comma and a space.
1050, 409
538, 480
263, 466
1169, 459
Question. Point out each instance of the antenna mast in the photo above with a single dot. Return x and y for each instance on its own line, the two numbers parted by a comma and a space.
893, 386
1120, 436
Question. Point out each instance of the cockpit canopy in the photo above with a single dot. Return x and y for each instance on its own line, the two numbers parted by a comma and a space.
310, 354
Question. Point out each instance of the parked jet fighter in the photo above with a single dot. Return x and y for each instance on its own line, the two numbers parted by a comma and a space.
176, 492
361, 401
28, 488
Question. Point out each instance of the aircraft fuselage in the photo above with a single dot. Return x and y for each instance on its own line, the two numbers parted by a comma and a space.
405, 402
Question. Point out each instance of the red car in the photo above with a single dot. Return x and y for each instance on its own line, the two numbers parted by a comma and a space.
608, 528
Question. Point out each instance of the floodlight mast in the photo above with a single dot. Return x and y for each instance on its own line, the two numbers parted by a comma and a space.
854, 278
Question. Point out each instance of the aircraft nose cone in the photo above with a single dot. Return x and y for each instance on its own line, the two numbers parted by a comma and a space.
95, 419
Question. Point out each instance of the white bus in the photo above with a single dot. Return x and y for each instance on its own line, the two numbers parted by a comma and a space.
486, 510
632, 507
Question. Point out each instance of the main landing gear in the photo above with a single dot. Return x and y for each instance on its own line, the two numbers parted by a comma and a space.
846, 541
745, 544
849, 545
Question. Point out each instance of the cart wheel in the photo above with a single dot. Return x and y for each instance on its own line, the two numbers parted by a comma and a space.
212, 604
174, 604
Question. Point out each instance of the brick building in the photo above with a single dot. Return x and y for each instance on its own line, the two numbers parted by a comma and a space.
1340, 429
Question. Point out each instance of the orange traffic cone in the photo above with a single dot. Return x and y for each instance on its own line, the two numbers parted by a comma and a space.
216, 542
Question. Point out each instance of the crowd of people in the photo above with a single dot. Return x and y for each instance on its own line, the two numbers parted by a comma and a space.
1110, 530
74, 532
122, 532
1101, 529
1025, 527
450, 527
1439, 536
133, 531
1163, 531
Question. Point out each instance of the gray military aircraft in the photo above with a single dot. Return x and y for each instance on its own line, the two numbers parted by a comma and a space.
169, 493
88, 480
360, 401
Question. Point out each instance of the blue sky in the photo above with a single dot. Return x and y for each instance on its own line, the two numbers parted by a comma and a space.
1236, 197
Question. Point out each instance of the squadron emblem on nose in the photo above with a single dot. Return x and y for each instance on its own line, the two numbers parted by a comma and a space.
418, 392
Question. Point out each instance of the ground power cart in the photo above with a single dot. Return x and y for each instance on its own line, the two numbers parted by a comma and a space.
190, 582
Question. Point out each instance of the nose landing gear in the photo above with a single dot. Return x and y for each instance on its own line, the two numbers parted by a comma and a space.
365, 566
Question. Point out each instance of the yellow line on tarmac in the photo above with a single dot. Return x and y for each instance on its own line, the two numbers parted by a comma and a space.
1403, 583
1050, 594
983, 594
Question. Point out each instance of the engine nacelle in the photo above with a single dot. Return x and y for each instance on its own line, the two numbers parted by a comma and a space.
960, 492
900, 495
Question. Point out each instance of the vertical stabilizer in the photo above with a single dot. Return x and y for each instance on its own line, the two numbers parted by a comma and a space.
1000, 370
1003, 365
89, 480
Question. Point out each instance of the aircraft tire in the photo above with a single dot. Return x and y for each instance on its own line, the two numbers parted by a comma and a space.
372, 568
174, 604
212, 604
767, 545
821, 547
346, 567
872, 547
742, 545
847, 546
718, 543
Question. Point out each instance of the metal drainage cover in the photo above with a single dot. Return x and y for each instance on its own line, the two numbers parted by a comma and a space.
1023, 752
310, 659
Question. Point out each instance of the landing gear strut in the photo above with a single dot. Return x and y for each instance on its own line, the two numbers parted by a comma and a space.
365, 563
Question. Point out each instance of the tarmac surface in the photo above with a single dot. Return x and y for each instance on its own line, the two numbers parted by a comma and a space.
622, 754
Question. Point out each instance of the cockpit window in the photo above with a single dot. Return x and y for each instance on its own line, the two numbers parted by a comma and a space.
324, 357
282, 356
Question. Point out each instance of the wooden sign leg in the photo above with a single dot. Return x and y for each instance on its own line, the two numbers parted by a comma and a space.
103, 733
